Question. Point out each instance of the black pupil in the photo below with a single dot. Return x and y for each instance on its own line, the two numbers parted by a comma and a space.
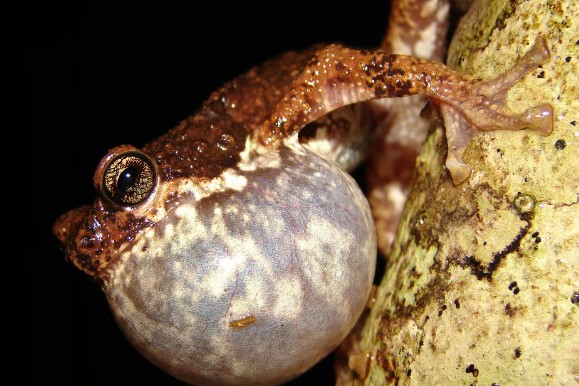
127, 179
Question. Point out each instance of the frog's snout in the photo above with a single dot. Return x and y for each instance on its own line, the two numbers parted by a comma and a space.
68, 223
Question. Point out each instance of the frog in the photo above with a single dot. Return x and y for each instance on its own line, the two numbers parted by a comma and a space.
236, 248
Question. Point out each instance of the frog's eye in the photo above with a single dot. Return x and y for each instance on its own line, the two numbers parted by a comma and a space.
129, 179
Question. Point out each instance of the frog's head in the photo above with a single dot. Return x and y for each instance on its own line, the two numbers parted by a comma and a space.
129, 184
222, 260
137, 188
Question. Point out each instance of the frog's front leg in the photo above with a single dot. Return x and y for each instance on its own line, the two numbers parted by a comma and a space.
488, 111
337, 76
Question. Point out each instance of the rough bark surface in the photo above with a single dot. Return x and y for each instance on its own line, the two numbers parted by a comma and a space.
482, 285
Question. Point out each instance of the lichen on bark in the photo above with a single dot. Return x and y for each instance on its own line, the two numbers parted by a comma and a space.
482, 284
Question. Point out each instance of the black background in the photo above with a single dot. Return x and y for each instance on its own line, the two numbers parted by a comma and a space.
101, 75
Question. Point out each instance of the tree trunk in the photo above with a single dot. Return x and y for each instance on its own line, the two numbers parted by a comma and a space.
482, 284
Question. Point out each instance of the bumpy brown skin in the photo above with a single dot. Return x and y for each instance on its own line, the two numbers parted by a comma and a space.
248, 238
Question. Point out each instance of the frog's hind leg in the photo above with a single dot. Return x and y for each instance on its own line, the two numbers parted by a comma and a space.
337, 76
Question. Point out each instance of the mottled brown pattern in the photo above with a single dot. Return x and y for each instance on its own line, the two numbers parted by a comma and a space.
93, 235
250, 97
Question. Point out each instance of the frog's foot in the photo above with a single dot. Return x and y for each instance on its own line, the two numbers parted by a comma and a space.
484, 108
